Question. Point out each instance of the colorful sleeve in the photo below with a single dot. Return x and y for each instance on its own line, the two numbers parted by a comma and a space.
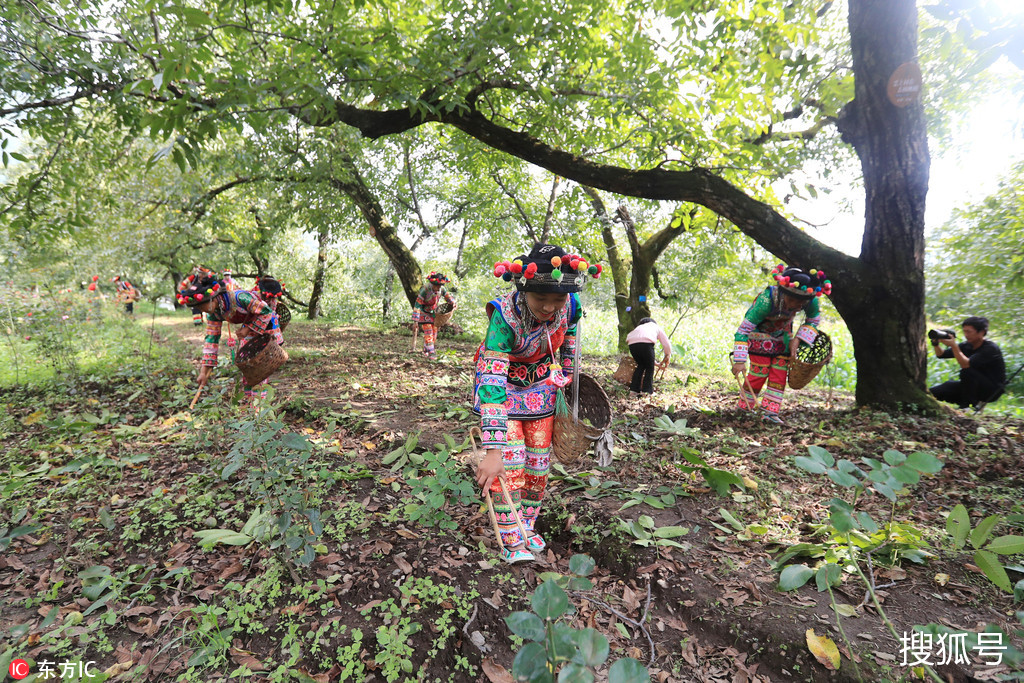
212, 342
417, 308
263, 319
754, 316
812, 313
450, 299
492, 380
568, 350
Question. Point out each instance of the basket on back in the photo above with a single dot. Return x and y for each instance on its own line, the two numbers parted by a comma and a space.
442, 314
259, 359
809, 361
624, 373
284, 315
571, 439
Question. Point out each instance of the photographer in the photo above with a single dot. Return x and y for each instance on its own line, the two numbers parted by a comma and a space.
982, 370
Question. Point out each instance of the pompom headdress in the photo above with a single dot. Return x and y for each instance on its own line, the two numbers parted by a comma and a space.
547, 269
805, 285
269, 287
438, 278
200, 286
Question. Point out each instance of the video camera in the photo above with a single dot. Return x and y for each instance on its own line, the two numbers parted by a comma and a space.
936, 335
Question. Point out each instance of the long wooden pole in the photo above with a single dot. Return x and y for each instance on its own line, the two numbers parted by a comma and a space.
195, 399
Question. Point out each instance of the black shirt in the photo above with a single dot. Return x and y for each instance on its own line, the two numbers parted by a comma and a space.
986, 359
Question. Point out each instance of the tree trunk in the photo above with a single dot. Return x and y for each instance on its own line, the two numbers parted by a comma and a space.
644, 257
884, 304
381, 229
389, 285
319, 274
620, 280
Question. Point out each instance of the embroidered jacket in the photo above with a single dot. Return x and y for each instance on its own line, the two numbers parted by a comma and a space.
767, 327
427, 302
513, 364
239, 308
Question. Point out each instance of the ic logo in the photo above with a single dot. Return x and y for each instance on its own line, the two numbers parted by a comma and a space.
18, 669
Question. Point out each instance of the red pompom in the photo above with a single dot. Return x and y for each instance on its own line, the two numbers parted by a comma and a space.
599, 269
517, 268
574, 263
531, 269
499, 270
92, 287
95, 278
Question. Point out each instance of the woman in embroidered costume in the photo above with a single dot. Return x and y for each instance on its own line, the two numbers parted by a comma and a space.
254, 317
527, 355
766, 335
427, 301
127, 293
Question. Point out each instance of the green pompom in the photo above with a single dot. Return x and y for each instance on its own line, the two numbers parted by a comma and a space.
556, 275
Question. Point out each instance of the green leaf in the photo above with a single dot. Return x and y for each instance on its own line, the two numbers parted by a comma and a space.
1006, 545
628, 671
94, 572
526, 625
821, 455
843, 479
828, 574
296, 442
989, 563
958, 525
730, 519
531, 664
894, 458
905, 474
225, 536
549, 601
593, 647
794, 576
575, 673
885, 490
393, 455
984, 530
841, 515
582, 565
809, 464
670, 531
924, 462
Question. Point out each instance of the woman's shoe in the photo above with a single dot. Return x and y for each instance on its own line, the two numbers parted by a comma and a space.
535, 543
515, 555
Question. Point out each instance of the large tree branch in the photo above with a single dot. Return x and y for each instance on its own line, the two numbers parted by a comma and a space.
52, 102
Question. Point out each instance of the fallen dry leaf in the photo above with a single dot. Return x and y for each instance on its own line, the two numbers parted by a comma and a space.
823, 649
495, 672
243, 658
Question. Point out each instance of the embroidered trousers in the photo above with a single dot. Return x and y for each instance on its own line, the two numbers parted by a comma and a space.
762, 369
527, 460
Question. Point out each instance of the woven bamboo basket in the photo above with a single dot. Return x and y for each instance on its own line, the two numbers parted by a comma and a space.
284, 315
442, 314
809, 361
259, 359
624, 374
570, 440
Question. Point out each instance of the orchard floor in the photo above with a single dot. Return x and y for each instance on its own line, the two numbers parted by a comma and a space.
707, 611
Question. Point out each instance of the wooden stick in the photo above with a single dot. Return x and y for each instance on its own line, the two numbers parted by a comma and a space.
494, 518
504, 491
487, 491
196, 398
515, 513
415, 331
743, 396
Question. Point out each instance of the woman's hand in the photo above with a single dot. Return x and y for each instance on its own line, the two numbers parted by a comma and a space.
490, 467
739, 368
204, 374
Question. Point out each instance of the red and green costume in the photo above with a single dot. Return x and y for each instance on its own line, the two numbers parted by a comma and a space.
515, 398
